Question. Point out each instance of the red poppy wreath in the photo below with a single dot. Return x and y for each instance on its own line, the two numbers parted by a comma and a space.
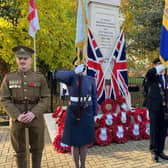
144, 113
110, 120
103, 136
146, 130
57, 112
135, 131
120, 134
140, 115
90, 145
124, 118
59, 146
61, 129
100, 122
108, 106
61, 117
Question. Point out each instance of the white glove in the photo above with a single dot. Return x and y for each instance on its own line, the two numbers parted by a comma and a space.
79, 69
160, 68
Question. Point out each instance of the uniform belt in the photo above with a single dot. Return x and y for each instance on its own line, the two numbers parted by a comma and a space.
76, 99
24, 101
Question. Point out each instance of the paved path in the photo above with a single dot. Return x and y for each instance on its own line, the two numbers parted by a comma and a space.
133, 154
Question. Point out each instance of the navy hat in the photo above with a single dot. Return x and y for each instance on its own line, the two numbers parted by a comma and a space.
74, 60
23, 51
156, 60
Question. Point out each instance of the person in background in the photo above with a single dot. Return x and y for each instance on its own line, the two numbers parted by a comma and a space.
145, 83
155, 102
20, 88
79, 128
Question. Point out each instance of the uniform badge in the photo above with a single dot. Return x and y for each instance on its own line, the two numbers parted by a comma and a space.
15, 84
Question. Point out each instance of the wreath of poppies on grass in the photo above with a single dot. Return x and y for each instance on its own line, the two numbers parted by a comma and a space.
108, 106
100, 141
120, 137
59, 147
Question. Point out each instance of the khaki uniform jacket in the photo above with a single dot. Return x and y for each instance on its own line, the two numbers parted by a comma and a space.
18, 86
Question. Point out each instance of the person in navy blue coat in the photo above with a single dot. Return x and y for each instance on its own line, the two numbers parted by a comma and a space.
79, 128
155, 102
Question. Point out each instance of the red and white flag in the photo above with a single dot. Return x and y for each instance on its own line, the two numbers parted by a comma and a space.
33, 19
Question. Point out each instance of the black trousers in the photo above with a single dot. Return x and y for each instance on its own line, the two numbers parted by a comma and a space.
158, 131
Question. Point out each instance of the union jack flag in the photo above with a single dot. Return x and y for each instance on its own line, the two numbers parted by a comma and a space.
119, 79
94, 66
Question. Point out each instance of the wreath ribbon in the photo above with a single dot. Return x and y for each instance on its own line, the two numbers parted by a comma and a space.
110, 120
135, 131
120, 134
103, 136
124, 117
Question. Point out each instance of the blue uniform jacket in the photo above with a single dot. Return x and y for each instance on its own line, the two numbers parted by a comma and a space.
72, 81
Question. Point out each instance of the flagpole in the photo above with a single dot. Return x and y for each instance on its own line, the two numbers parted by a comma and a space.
81, 41
86, 30
35, 49
34, 39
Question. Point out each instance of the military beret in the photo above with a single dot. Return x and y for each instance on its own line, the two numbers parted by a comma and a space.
156, 60
22, 51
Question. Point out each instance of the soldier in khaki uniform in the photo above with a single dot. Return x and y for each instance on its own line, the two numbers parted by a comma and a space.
17, 88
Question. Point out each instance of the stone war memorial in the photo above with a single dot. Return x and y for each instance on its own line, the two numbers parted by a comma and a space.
116, 121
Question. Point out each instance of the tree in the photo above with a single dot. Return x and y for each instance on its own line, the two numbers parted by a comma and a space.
142, 24
55, 39
9, 14
10, 10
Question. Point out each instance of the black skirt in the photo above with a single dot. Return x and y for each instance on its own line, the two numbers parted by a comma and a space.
79, 134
